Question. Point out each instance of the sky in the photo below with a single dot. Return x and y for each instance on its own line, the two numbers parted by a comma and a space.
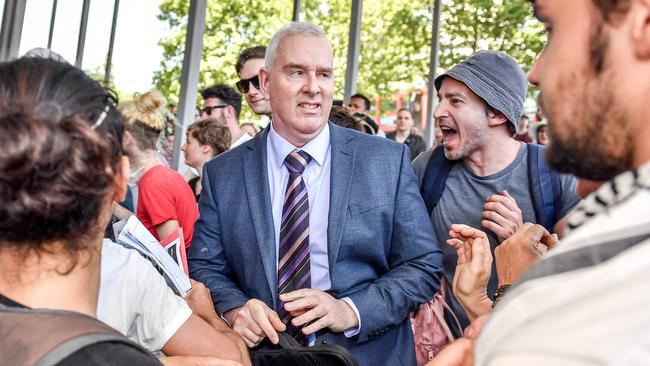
136, 54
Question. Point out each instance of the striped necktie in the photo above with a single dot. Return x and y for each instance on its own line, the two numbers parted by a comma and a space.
293, 254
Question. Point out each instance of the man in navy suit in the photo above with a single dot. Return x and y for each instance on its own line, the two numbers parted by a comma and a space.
341, 246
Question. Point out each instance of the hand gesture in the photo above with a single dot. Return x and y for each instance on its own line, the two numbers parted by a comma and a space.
515, 255
501, 215
255, 321
473, 268
320, 308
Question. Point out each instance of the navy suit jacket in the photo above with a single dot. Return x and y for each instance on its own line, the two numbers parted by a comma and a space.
382, 252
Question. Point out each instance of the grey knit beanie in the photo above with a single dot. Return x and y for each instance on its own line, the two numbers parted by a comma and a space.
496, 78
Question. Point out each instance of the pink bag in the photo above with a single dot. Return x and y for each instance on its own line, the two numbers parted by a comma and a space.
430, 330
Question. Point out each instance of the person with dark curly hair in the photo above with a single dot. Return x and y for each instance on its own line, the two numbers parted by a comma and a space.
61, 166
340, 116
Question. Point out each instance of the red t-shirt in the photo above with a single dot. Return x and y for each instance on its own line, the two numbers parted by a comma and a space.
164, 195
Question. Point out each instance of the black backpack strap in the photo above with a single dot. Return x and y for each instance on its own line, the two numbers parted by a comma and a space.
73, 345
44, 337
544, 187
435, 177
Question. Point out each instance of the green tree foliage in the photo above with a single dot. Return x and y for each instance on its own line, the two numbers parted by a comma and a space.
231, 25
501, 25
395, 37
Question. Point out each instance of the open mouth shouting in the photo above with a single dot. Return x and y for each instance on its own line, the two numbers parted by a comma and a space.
449, 135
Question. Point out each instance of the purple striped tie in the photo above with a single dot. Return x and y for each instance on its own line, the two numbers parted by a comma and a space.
293, 262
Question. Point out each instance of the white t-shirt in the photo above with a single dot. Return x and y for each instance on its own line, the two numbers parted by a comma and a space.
135, 299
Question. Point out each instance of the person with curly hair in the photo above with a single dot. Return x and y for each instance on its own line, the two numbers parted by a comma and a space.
61, 166
206, 139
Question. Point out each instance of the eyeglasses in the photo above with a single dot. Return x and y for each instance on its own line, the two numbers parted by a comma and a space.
244, 85
208, 110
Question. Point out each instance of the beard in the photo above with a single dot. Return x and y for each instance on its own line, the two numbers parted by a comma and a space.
595, 141
473, 136
586, 155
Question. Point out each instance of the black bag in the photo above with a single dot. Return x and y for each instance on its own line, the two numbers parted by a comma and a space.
288, 352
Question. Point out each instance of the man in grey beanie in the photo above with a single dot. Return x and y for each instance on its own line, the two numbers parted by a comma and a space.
489, 184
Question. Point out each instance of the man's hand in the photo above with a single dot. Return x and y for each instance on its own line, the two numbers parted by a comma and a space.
309, 305
515, 255
255, 321
473, 268
501, 215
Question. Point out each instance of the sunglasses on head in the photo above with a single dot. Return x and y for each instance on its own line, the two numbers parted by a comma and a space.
208, 110
244, 85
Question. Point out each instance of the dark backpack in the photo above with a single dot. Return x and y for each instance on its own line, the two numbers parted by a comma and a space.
544, 184
42, 337
289, 352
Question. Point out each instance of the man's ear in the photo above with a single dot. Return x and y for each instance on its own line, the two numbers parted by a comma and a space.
229, 113
496, 118
264, 82
121, 178
640, 28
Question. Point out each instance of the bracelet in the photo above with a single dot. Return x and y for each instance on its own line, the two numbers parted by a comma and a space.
498, 294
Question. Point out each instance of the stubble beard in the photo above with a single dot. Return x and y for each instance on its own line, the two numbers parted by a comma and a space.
472, 140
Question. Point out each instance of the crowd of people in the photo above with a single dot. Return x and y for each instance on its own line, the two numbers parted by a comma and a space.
530, 237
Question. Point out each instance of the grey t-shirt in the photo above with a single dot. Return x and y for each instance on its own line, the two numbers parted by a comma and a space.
466, 193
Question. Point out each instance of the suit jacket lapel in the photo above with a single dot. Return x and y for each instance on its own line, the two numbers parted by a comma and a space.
259, 200
343, 158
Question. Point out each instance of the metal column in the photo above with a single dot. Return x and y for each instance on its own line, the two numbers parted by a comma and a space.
433, 66
111, 43
83, 27
52, 21
296, 11
11, 29
354, 43
189, 77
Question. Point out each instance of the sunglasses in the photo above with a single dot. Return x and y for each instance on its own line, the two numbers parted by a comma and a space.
244, 85
208, 110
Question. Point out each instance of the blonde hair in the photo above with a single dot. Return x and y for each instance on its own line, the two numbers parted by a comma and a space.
145, 117
148, 108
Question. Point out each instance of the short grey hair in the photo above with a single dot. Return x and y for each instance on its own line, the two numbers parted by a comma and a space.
290, 29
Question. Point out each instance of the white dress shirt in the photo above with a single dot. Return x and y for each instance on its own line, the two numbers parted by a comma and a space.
316, 177
243, 138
